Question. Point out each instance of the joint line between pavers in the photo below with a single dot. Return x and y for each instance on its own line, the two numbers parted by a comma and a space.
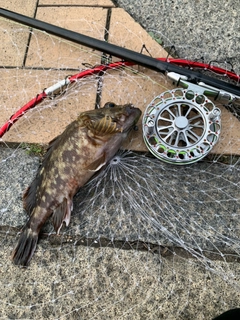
104, 57
29, 38
75, 6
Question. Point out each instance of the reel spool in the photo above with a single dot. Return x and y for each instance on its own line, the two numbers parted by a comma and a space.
181, 126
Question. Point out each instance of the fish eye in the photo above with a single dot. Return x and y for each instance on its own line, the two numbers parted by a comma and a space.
135, 128
109, 105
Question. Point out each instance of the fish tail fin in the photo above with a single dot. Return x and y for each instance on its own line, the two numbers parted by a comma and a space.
25, 248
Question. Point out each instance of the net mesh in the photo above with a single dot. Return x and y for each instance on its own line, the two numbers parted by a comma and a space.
146, 239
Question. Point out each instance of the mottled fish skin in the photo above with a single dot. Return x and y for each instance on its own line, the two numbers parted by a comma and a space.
86, 145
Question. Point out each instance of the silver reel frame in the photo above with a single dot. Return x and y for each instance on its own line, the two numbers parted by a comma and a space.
181, 126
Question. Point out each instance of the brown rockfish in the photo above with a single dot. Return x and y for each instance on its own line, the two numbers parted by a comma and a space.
85, 146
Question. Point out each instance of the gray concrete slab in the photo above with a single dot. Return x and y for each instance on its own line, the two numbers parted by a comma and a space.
129, 272
209, 29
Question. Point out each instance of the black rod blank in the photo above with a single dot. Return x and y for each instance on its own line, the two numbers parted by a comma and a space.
123, 53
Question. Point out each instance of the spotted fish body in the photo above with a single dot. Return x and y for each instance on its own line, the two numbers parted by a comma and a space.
86, 145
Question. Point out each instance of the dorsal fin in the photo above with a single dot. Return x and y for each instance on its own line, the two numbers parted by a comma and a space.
29, 197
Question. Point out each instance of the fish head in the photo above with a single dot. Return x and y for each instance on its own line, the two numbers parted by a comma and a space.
125, 116
111, 119
107, 128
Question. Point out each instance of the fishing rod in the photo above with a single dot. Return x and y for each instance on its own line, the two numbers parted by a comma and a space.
180, 126
229, 91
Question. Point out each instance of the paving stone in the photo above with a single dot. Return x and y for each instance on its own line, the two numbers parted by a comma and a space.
47, 51
14, 37
49, 119
93, 3
26, 7
126, 32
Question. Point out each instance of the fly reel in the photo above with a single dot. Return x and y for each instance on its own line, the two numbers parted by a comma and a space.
181, 126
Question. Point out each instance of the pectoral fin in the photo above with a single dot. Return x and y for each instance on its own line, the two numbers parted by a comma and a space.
97, 164
62, 214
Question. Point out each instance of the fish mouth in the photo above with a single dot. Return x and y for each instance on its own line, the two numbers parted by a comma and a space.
129, 118
125, 116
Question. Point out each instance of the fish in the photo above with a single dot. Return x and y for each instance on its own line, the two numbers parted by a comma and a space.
72, 158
